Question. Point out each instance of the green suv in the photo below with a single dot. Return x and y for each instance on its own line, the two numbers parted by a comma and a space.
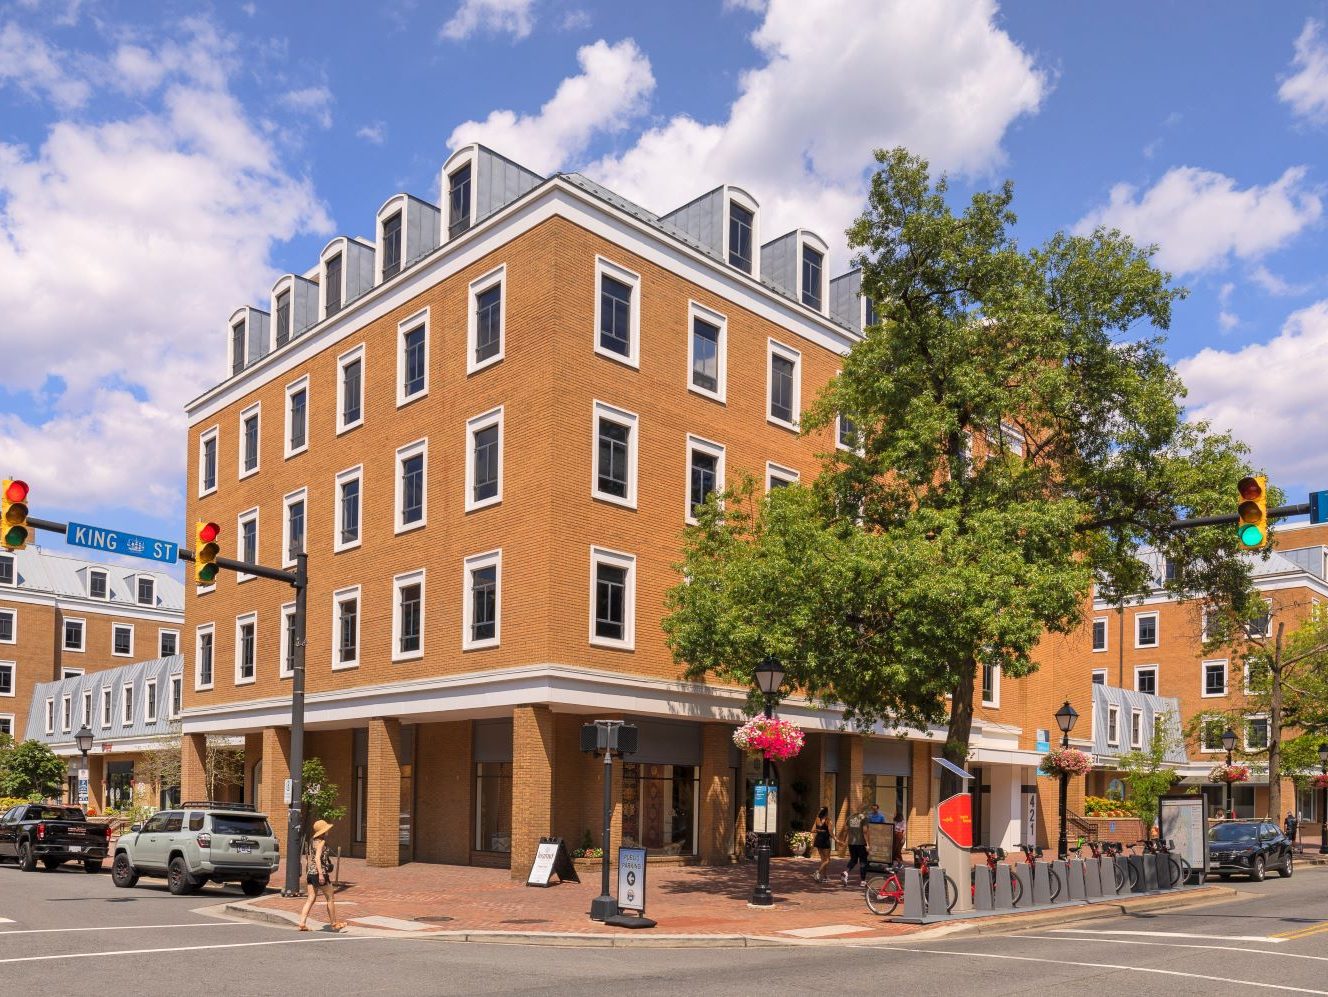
196, 844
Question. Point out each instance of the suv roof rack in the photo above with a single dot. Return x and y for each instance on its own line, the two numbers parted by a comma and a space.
215, 805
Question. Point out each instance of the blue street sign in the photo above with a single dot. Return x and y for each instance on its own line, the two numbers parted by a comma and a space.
130, 544
1319, 507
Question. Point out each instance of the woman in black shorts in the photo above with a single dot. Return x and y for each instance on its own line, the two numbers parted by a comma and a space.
318, 876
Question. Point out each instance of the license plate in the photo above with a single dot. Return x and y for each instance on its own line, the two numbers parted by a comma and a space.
246, 849
75, 848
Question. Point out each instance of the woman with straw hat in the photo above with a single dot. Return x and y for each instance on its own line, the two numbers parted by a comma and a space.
318, 874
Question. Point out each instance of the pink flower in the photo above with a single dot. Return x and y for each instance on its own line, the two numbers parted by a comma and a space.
771, 738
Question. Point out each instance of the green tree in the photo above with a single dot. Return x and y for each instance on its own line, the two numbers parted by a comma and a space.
320, 794
32, 769
1015, 442
1147, 773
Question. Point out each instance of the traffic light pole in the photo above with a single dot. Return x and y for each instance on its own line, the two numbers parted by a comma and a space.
1231, 519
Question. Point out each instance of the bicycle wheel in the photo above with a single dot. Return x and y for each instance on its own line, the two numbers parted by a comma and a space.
1185, 870
1117, 877
1054, 881
1016, 888
951, 894
1134, 876
882, 894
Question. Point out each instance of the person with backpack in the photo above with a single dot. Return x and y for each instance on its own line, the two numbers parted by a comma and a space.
318, 876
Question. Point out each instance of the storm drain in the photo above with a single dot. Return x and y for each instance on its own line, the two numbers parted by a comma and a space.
433, 919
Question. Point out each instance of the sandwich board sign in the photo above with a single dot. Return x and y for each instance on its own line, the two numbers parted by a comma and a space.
551, 859
632, 879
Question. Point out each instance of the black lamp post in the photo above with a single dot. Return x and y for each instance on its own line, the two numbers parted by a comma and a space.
1323, 801
83, 739
1065, 720
769, 677
1228, 742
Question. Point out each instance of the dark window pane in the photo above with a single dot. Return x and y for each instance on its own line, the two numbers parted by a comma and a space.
289, 664
97, 585
123, 640
872, 317
705, 355
705, 468
488, 323
486, 463
332, 294
283, 318
299, 403
414, 367
249, 541
247, 651
1146, 682
848, 432
237, 348
392, 246
147, 592
613, 458
6, 571
610, 601
205, 659
350, 392
410, 618
251, 443
348, 641
811, 277
781, 388
740, 237
615, 316
412, 489
295, 536
7, 679
210, 464
168, 646
350, 511
484, 603
458, 201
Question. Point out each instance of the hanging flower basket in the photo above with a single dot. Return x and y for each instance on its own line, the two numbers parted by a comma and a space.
1320, 781
1066, 761
1229, 773
770, 738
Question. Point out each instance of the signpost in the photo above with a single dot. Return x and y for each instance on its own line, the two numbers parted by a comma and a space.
83, 787
119, 542
632, 879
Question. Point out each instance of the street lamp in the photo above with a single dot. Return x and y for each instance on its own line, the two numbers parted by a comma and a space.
1065, 720
83, 739
1229, 742
1323, 809
769, 676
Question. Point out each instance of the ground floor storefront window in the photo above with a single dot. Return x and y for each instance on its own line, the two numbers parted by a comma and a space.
493, 806
660, 807
119, 785
889, 792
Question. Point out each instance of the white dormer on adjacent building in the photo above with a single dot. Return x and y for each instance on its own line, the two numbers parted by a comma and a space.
796, 264
294, 307
848, 305
345, 271
406, 230
475, 182
726, 221
248, 337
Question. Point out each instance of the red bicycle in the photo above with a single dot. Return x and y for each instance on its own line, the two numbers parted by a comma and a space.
996, 867
1031, 854
885, 883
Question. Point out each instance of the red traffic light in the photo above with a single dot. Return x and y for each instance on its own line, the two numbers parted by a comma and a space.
17, 491
1249, 488
207, 532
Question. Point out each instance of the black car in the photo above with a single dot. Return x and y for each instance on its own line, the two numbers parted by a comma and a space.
1248, 848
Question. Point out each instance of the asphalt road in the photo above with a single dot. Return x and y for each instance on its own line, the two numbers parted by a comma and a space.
59, 930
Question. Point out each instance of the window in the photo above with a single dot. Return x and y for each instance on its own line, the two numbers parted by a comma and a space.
1136, 729
246, 541
8, 626
1100, 634
811, 277
168, 643
207, 462
1145, 630
177, 695
237, 348
1168, 570
392, 246
1145, 680
1113, 725
1261, 626
493, 806
66, 714
1012, 439
86, 716
127, 704
482, 600
150, 701
1214, 678
408, 616
249, 424
612, 598
7, 724
413, 358
485, 327
350, 389
484, 460
6, 569
203, 657
246, 635
283, 318
991, 685
706, 352
741, 221
705, 473
870, 315
50, 716
7, 670
846, 433
293, 541
617, 313
122, 640
1256, 734
412, 485
106, 706
297, 417
458, 201
783, 388
1211, 730
287, 666
346, 628
347, 512
1099, 676
779, 477
147, 591
71, 673
96, 584
615, 455
332, 286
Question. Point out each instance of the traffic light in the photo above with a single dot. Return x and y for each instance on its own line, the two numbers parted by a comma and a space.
14, 515
205, 552
1252, 529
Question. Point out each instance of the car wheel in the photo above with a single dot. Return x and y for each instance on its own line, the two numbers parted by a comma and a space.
1285, 871
1224, 876
178, 880
1257, 869
254, 887
26, 860
123, 873
92, 865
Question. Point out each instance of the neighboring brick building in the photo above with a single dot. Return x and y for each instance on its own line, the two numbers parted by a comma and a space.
487, 429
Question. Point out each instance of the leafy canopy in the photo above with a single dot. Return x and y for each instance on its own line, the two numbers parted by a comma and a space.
31, 768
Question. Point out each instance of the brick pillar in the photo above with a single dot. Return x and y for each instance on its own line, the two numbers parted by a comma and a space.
96, 780
193, 776
715, 846
850, 771
921, 819
532, 782
276, 770
383, 844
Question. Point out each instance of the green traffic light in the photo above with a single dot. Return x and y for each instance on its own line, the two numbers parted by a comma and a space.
16, 536
207, 572
1250, 535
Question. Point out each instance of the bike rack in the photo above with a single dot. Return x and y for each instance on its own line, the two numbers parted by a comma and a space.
914, 908
1004, 898
1092, 879
1024, 873
1074, 883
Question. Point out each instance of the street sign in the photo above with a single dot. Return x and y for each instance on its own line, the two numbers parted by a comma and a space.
118, 542
632, 879
765, 808
1319, 507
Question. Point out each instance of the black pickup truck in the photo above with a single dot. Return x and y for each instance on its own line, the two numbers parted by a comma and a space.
53, 835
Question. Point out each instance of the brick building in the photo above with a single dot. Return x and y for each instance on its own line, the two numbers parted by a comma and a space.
487, 427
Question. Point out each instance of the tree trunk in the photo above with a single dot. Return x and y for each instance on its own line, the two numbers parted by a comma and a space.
960, 730
1275, 733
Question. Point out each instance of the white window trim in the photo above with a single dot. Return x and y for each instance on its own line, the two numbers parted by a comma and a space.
1010, 436
7, 727
1204, 720
1136, 728
240, 621
127, 705
284, 672
67, 712
775, 348
995, 701
13, 680
815, 243
13, 569
632, 280
256, 409
1268, 631
355, 473
404, 453
1106, 635
106, 576
71, 673
398, 583
394, 206
602, 555
1203, 679
176, 682
696, 310
632, 421
773, 470
107, 694
344, 360
82, 635
337, 247
716, 450
287, 500
493, 417
1113, 714
240, 520
735, 196
420, 318
1099, 671
213, 433
160, 633
1157, 630
474, 563
122, 626
460, 158
153, 602
338, 597
839, 442
1246, 736
498, 275
50, 715
13, 627
299, 384
1157, 678
210, 628
87, 709
150, 704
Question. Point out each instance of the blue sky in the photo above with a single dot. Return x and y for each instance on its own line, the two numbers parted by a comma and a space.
161, 165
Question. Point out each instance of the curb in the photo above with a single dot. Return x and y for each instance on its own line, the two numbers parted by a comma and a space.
1092, 912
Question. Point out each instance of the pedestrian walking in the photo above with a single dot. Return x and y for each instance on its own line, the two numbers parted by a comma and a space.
1292, 825
857, 848
318, 876
821, 842
901, 833
874, 815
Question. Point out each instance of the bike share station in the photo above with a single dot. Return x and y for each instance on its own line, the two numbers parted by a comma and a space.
1083, 881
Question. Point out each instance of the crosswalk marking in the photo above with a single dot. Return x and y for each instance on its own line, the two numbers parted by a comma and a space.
1274, 939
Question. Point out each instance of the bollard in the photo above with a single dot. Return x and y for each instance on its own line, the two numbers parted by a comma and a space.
1123, 864
1092, 879
1004, 898
1075, 883
938, 904
1150, 873
1024, 873
982, 899
914, 908
1140, 880
1041, 885
1063, 871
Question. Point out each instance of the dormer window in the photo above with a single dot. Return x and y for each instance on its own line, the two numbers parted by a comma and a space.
96, 584
6, 569
332, 286
283, 318
392, 246
147, 591
458, 201
812, 266
870, 316
741, 221
237, 347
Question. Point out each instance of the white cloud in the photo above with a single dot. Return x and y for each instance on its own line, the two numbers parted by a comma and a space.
1266, 390
754, 6
1226, 318
375, 133
575, 20
1306, 89
39, 69
514, 17
1274, 284
316, 102
613, 88
1201, 219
